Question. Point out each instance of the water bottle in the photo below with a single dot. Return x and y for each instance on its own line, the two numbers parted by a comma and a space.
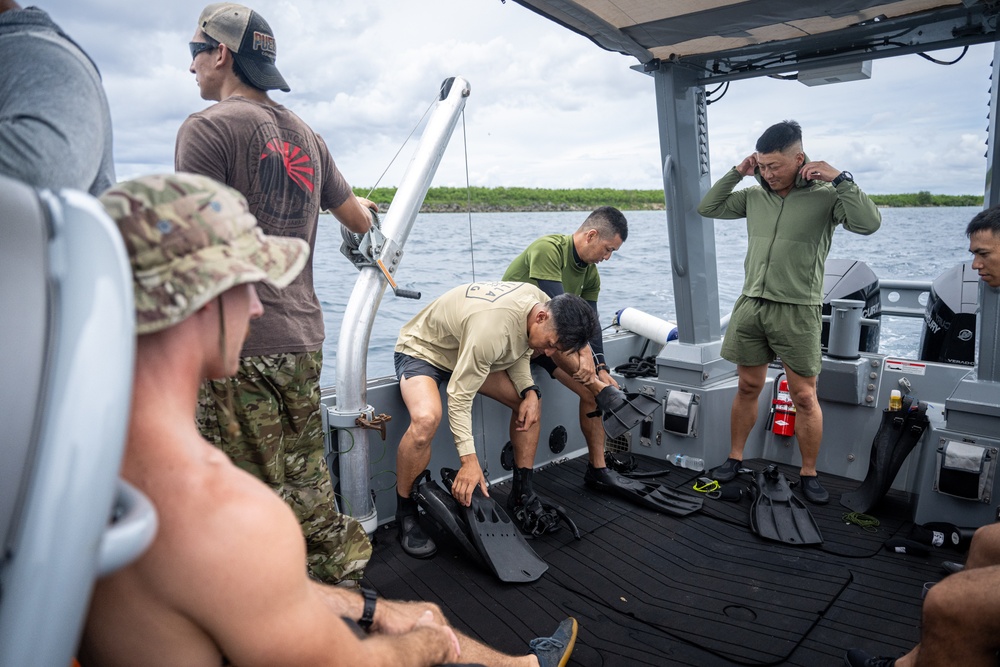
895, 400
684, 461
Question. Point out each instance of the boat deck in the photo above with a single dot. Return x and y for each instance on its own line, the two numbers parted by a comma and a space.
653, 589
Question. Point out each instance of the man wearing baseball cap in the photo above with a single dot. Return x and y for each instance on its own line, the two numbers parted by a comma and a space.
262, 149
222, 582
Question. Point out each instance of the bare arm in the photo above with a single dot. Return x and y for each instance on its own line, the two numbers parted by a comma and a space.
247, 587
355, 213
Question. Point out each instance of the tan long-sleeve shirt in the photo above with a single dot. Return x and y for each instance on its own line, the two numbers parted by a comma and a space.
473, 330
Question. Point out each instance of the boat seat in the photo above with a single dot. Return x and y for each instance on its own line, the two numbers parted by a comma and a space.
67, 340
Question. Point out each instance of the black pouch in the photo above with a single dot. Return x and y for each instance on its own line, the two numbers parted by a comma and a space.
680, 411
965, 470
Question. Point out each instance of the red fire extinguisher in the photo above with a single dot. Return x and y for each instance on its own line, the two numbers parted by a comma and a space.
783, 411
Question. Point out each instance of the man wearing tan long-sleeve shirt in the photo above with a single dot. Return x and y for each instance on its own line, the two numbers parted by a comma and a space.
478, 338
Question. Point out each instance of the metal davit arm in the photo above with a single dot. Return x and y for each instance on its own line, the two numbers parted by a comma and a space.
359, 315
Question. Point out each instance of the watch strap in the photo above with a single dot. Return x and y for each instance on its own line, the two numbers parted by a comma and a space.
843, 176
368, 614
533, 388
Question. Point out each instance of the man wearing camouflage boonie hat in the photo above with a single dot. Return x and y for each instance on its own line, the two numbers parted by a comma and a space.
284, 169
223, 581
189, 240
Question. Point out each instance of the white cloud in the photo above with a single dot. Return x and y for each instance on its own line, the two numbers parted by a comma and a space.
548, 108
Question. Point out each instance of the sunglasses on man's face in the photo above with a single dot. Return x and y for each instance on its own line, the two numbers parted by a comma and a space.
198, 47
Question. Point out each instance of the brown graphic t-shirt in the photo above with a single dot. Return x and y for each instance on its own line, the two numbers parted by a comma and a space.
285, 171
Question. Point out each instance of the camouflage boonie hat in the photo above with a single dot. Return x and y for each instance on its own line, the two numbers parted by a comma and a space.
189, 239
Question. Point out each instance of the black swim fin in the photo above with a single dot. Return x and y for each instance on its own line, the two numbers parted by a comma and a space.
496, 538
441, 509
621, 412
777, 514
647, 494
897, 435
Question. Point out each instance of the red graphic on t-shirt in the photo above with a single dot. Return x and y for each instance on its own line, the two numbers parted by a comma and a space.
297, 163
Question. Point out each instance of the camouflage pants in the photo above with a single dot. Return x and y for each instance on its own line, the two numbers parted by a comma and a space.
276, 405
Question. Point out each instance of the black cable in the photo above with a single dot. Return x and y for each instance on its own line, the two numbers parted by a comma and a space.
724, 86
943, 62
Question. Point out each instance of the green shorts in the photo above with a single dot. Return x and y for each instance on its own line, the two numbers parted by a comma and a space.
761, 330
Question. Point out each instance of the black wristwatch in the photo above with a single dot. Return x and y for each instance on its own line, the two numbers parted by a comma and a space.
368, 615
843, 176
533, 388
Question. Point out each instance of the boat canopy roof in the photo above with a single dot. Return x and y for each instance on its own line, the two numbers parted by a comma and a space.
735, 39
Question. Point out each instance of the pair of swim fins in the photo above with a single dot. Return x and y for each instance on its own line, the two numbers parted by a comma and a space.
778, 514
483, 530
645, 494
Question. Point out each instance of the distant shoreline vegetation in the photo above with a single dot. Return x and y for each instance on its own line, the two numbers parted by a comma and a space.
456, 200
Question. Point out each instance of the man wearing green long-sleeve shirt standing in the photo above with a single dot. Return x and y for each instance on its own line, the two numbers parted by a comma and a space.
791, 217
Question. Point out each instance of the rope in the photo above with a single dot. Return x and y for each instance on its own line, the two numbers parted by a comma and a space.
866, 521
472, 254
401, 146
468, 191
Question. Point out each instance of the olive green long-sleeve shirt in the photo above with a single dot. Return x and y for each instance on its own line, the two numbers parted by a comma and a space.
789, 237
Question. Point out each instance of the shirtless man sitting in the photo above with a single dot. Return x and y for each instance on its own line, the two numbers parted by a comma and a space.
224, 581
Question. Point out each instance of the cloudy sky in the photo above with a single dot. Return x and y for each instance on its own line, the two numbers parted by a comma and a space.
548, 108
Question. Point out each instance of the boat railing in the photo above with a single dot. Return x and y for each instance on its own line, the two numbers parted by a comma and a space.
904, 298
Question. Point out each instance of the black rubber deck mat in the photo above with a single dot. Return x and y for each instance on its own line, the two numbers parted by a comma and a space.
783, 597
652, 589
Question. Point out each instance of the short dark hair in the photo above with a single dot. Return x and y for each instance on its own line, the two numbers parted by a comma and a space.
241, 75
608, 221
237, 70
988, 219
780, 137
575, 320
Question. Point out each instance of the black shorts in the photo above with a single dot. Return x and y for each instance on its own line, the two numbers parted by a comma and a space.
545, 362
407, 366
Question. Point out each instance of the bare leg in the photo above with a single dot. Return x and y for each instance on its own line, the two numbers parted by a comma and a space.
808, 418
473, 651
984, 553
423, 402
593, 431
499, 387
744, 411
985, 548
592, 427
961, 621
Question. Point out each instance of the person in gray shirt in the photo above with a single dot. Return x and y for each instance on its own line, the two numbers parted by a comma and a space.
55, 125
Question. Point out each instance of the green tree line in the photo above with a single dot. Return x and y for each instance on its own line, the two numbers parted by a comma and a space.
545, 199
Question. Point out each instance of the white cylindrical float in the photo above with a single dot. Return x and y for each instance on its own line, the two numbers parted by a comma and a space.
646, 325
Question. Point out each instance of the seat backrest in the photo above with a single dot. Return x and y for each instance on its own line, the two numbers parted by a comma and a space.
66, 352
24, 340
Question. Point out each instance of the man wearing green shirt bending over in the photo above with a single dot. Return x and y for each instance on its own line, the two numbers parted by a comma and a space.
790, 217
567, 263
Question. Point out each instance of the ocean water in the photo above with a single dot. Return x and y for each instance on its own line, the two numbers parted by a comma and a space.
448, 249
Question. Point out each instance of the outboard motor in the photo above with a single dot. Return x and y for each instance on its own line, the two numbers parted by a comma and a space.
949, 332
851, 279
